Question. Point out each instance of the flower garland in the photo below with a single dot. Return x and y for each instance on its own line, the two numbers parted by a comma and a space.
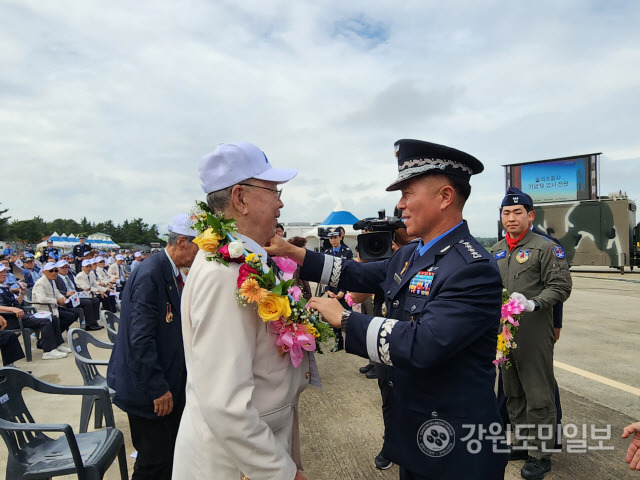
279, 304
509, 323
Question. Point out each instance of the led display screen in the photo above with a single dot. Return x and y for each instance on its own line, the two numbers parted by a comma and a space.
554, 181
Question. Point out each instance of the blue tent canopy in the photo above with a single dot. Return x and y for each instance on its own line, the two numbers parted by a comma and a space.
340, 216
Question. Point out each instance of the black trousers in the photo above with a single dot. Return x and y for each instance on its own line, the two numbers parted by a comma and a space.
49, 331
409, 475
67, 316
155, 441
108, 303
10, 347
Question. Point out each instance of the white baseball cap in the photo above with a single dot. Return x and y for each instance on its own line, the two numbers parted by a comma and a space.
119, 257
86, 263
2, 268
232, 163
49, 266
61, 263
182, 225
137, 254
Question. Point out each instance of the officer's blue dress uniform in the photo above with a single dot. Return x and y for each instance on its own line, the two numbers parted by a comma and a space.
439, 336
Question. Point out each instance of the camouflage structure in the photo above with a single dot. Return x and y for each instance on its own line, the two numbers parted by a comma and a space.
593, 232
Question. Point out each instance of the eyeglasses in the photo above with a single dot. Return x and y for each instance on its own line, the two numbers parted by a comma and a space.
53, 270
277, 192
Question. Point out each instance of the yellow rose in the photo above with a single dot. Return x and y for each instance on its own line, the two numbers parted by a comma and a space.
208, 240
273, 306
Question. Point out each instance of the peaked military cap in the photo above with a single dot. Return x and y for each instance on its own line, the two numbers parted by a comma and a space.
416, 157
515, 196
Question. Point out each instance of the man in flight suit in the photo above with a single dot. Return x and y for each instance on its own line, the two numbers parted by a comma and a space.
534, 271
442, 299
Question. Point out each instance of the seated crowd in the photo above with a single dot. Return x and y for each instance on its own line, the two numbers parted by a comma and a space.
49, 290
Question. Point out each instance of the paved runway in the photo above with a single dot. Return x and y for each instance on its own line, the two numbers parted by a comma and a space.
597, 370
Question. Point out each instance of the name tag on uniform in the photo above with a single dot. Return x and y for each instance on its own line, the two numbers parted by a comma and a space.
421, 283
500, 254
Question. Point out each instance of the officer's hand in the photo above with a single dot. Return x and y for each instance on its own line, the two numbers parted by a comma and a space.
3, 323
17, 311
60, 301
557, 330
329, 308
163, 405
279, 247
528, 305
633, 452
330, 294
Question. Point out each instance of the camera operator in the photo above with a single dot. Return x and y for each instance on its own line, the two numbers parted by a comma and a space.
338, 249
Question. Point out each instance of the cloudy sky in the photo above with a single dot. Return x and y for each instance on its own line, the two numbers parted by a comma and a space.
106, 107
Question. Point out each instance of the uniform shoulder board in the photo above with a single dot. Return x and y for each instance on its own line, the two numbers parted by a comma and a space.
471, 250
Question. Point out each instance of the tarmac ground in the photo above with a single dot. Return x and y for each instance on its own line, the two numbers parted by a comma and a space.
341, 423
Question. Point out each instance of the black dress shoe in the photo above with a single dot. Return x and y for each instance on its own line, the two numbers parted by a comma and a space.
382, 463
371, 373
366, 368
535, 468
94, 327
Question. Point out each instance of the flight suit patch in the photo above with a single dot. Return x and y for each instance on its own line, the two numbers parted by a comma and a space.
500, 254
421, 283
522, 256
559, 252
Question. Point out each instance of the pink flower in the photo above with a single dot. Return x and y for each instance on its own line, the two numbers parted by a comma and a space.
287, 266
349, 300
293, 338
245, 271
506, 334
295, 293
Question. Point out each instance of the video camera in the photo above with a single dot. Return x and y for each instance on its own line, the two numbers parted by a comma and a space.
376, 245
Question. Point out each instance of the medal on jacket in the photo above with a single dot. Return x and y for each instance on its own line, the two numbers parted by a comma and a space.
421, 283
169, 317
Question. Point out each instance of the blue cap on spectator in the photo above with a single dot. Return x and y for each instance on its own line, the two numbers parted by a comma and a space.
28, 255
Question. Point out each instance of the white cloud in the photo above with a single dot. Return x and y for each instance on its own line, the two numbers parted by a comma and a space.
121, 100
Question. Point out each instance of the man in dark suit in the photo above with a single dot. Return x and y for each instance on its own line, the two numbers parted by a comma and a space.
147, 366
66, 285
437, 332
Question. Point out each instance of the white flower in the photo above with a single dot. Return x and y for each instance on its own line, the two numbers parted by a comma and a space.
236, 249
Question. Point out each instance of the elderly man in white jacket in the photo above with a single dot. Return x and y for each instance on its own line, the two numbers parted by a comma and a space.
240, 418
46, 297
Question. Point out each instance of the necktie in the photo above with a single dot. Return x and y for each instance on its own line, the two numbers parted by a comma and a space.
414, 257
180, 282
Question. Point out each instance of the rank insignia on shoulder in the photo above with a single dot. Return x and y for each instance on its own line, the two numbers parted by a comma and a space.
500, 254
559, 252
421, 283
522, 256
